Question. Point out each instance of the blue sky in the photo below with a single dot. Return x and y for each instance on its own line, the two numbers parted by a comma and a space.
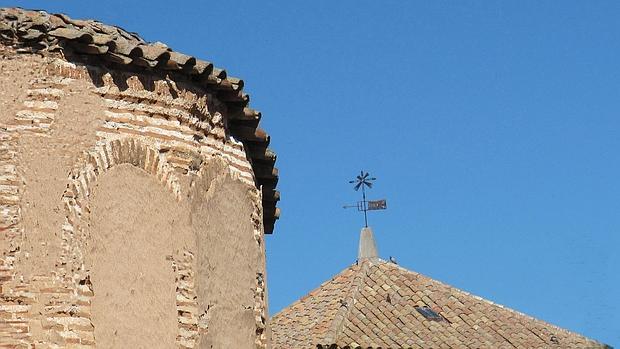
493, 129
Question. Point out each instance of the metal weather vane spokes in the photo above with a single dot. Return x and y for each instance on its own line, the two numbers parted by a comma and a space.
362, 181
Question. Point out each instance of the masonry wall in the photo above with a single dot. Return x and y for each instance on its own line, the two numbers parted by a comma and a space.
128, 218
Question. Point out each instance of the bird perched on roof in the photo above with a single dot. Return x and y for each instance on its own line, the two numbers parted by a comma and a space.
393, 260
555, 339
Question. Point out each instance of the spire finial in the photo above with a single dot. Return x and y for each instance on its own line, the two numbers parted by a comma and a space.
368, 247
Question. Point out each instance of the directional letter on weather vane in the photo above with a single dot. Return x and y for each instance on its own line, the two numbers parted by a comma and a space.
363, 181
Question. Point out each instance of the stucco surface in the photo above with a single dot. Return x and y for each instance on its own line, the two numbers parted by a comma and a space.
136, 224
44, 166
221, 212
14, 82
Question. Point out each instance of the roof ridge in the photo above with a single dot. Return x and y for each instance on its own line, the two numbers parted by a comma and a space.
347, 304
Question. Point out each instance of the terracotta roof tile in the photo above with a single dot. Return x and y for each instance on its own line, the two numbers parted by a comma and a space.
372, 305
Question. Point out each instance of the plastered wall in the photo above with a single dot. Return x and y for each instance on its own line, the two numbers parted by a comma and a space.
128, 218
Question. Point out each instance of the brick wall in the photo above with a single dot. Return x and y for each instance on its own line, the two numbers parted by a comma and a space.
170, 130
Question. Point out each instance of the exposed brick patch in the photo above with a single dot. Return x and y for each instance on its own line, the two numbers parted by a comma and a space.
10, 188
176, 130
15, 300
191, 324
260, 301
38, 113
156, 117
257, 216
259, 311
18, 295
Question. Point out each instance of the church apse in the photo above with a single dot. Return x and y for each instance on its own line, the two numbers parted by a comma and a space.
135, 192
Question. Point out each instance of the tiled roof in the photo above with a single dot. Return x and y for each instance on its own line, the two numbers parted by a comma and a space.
94, 43
373, 305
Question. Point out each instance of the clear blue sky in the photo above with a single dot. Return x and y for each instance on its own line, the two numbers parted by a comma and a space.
493, 127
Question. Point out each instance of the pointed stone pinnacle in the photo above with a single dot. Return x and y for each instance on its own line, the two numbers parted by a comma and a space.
367, 247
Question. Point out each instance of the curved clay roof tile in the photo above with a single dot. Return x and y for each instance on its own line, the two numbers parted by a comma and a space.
11, 14
123, 46
236, 82
32, 34
118, 58
71, 34
143, 62
101, 28
37, 20
55, 22
183, 59
245, 114
103, 39
202, 68
5, 27
76, 22
89, 49
180, 61
220, 73
151, 52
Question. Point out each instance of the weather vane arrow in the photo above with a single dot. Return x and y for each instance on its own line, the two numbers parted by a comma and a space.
362, 181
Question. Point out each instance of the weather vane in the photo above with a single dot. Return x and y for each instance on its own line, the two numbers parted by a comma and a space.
363, 181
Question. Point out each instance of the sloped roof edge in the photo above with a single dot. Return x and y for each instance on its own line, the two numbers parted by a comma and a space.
380, 312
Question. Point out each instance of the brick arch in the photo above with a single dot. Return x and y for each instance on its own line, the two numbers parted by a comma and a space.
73, 278
99, 160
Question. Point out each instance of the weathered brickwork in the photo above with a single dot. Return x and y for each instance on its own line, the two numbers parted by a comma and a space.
260, 311
183, 128
37, 115
260, 296
167, 129
190, 322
